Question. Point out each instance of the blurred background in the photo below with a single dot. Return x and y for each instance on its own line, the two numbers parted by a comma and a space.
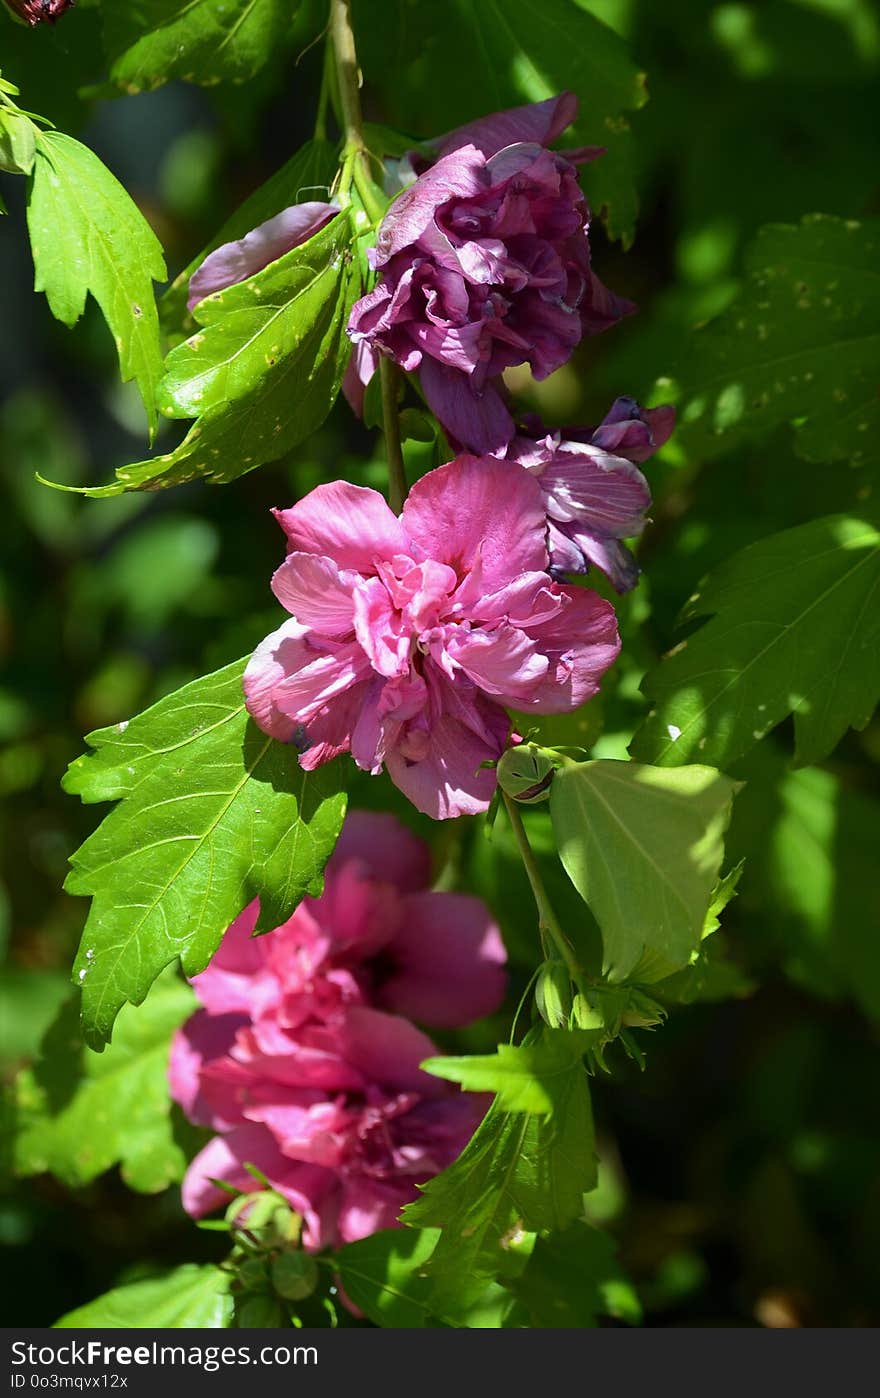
740, 1168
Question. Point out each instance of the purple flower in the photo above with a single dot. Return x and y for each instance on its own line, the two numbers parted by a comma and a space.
594, 493
235, 262
485, 263
35, 12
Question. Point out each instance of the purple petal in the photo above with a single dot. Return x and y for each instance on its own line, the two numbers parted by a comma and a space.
541, 122
385, 848
460, 175
476, 421
235, 262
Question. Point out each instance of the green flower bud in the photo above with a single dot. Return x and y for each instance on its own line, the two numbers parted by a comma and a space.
525, 773
259, 1313
294, 1275
553, 994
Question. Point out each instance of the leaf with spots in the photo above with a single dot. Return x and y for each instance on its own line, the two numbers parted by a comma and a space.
78, 1113
211, 813
264, 369
88, 236
150, 42
794, 629
800, 344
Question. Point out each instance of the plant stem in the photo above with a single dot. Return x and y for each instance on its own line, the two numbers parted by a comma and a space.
391, 426
547, 919
347, 71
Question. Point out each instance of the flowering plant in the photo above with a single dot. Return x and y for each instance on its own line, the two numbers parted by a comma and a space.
377, 904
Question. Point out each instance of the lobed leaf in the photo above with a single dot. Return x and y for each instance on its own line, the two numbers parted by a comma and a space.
793, 630
264, 369
212, 813
78, 1113
150, 42
800, 343
88, 236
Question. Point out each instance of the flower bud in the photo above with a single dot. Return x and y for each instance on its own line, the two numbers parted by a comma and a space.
294, 1275
35, 12
553, 994
525, 773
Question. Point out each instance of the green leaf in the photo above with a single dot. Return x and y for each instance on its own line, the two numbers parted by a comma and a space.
494, 55
525, 1077
384, 1275
519, 1173
264, 370
18, 142
574, 1277
307, 175
189, 1298
212, 813
643, 846
87, 235
200, 41
794, 629
78, 1113
801, 342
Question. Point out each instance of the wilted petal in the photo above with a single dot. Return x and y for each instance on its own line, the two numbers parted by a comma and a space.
478, 421
459, 175
541, 122
235, 262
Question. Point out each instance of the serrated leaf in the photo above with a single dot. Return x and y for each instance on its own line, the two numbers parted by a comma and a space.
495, 55
200, 41
525, 1077
384, 1276
801, 342
643, 846
212, 813
189, 1298
307, 175
519, 1173
78, 1113
794, 629
264, 369
88, 237
574, 1277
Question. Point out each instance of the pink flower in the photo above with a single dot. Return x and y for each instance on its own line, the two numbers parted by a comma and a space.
485, 263
409, 636
300, 1073
594, 494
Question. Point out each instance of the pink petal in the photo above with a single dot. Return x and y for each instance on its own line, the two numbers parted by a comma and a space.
581, 643
541, 122
274, 658
448, 958
319, 679
370, 1205
502, 662
385, 848
348, 523
315, 593
388, 1050
478, 511
201, 1039
226, 984
235, 262
450, 781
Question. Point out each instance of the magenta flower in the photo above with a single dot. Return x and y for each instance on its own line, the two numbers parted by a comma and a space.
594, 494
300, 1058
235, 262
485, 263
409, 636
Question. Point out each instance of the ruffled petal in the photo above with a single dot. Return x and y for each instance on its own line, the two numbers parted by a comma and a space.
347, 523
